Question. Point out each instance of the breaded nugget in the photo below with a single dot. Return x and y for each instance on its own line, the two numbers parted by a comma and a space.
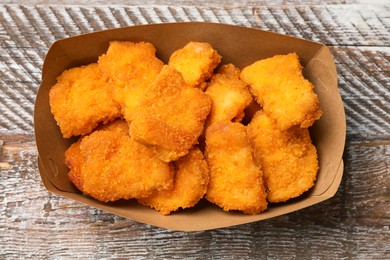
229, 95
279, 86
196, 61
109, 165
171, 116
80, 100
236, 182
127, 61
74, 157
190, 185
131, 68
288, 157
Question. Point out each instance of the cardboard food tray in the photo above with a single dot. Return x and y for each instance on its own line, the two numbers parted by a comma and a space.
238, 45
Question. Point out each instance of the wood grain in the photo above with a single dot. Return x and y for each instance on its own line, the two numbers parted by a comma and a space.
355, 224
180, 2
364, 86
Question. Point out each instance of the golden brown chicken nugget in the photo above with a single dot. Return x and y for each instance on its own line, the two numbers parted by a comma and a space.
171, 117
127, 61
109, 165
236, 182
190, 185
288, 157
74, 157
229, 95
131, 68
80, 100
279, 86
196, 61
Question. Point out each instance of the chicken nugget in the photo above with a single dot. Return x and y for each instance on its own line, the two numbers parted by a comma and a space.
80, 100
131, 68
279, 86
190, 185
229, 95
236, 182
109, 165
288, 157
196, 61
171, 116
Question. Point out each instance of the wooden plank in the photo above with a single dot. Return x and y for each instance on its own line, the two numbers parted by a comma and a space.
179, 2
330, 24
353, 224
364, 82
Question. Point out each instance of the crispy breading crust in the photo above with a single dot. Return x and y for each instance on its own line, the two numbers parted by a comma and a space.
130, 67
236, 182
196, 61
109, 165
80, 100
171, 116
229, 95
288, 157
279, 86
126, 62
190, 185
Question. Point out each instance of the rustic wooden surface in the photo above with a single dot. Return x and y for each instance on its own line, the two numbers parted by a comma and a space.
35, 223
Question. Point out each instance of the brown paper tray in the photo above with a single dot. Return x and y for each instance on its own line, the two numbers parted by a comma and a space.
238, 45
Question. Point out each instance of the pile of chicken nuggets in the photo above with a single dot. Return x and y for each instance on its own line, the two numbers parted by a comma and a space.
169, 135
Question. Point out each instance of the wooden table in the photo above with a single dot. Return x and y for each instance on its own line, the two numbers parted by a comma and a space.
35, 223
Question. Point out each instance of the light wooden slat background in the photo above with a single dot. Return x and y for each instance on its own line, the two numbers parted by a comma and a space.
354, 224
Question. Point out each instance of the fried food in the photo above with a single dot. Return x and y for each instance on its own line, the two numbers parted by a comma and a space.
288, 157
190, 185
280, 88
109, 165
171, 117
171, 113
131, 68
229, 95
80, 100
196, 61
236, 182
